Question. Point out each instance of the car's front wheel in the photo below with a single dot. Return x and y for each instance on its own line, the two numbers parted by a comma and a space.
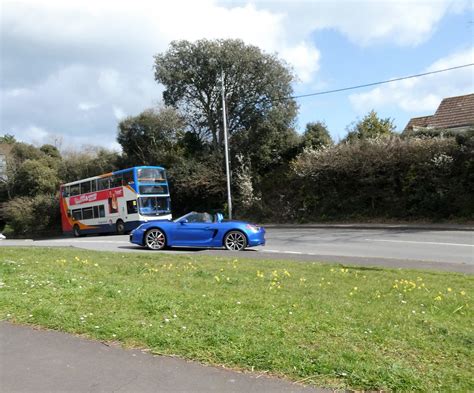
235, 241
155, 239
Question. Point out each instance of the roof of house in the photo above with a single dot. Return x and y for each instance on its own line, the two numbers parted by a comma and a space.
451, 113
454, 112
5, 148
421, 121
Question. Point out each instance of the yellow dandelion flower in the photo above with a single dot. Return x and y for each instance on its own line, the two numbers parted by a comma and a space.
449, 289
463, 293
438, 298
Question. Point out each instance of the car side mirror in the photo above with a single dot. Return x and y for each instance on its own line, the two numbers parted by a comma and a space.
184, 221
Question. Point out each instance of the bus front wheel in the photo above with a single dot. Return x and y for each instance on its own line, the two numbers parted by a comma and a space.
120, 227
76, 231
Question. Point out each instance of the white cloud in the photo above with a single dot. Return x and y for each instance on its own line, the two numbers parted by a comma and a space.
367, 22
119, 113
75, 67
87, 106
425, 93
305, 59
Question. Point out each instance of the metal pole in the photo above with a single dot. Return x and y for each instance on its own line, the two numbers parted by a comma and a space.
226, 144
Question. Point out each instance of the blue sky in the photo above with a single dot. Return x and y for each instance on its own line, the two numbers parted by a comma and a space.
346, 64
70, 71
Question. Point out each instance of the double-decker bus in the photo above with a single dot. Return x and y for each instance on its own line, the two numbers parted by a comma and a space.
115, 202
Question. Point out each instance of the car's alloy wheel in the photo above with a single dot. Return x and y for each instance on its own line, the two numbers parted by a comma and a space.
155, 239
235, 241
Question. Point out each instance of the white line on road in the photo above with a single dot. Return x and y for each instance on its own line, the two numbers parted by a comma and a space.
285, 252
415, 242
83, 241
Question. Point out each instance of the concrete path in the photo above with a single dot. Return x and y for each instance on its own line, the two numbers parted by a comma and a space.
48, 361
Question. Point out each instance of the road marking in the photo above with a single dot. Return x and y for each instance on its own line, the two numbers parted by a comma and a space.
82, 241
415, 242
284, 252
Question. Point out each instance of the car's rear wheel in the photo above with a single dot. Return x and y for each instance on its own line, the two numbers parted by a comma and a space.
155, 239
235, 241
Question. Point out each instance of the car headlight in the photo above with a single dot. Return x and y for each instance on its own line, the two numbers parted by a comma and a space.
253, 228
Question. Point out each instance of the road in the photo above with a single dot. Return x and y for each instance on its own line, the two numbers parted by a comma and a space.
416, 248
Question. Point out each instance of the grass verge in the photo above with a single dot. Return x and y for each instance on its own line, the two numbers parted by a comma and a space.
328, 325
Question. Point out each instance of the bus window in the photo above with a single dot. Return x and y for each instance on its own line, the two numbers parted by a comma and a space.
132, 206
153, 205
101, 211
128, 178
75, 190
116, 181
96, 211
66, 191
161, 189
85, 187
94, 185
77, 214
87, 213
150, 175
103, 183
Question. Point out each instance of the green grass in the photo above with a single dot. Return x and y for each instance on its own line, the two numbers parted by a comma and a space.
327, 325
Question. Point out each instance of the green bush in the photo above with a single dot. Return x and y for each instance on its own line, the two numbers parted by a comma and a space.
38, 215
380, 178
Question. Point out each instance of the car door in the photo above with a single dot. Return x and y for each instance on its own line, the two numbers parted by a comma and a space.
198, 234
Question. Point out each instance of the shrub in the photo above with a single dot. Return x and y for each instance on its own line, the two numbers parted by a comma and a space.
385, 178
36, 215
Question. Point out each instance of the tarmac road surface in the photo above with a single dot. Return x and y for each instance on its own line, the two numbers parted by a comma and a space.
403, 248
48, 361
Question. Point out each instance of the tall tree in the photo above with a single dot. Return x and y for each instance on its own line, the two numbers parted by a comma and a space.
370, 127
88, 162
317, 135
151, 138
256, 84
36, 177
8, 139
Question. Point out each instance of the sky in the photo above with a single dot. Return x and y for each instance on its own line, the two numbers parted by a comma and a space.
71, 70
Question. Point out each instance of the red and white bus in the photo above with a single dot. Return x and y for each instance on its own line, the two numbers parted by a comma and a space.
115, 202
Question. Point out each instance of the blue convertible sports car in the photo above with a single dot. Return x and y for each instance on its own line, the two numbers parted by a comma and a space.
198, 230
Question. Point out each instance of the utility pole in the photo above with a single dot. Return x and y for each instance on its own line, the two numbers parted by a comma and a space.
226, 145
